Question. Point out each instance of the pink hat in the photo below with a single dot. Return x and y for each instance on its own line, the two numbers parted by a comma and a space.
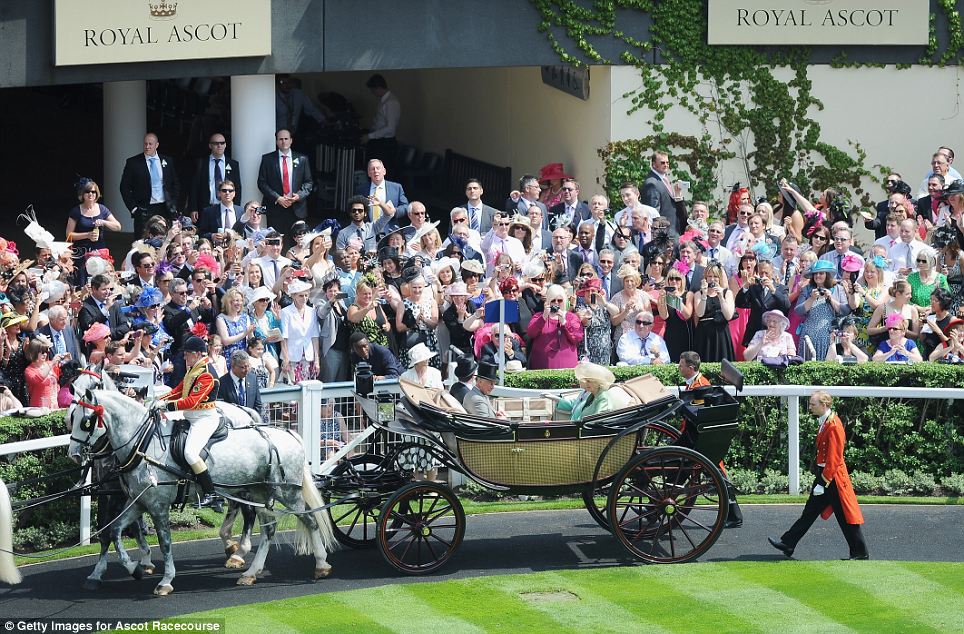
894, 320
456, 289
96, 332
552, 172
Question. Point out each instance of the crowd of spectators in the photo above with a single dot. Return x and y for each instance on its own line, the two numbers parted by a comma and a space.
635, 283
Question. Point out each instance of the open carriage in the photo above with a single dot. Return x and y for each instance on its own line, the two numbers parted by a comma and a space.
663, 501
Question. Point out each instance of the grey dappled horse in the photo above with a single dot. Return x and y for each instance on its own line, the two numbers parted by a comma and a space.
109, 505
244, 458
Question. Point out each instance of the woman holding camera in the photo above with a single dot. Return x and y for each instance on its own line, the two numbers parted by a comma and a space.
844, 343
821, 302
554, 334
630, 301
712, 309
42, 374
596, 314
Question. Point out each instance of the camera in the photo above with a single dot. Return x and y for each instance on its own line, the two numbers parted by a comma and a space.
758, 279
713, 285
823, 292
553, 309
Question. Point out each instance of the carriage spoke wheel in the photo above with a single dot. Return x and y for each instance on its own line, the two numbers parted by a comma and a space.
420, 527
649, 436
668, 505
355, 522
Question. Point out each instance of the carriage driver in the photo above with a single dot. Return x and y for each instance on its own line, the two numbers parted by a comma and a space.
195, 396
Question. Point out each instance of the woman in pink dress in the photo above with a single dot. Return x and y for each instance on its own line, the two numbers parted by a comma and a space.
554, 334
42, 374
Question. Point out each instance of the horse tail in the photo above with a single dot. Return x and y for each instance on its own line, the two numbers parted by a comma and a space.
8, 569
309, 492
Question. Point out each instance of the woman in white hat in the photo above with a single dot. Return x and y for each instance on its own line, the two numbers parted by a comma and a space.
773, 340
596, 397
419, 372
299, 330
317, 248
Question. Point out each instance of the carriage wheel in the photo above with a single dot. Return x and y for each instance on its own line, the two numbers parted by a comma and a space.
668, 505
649, 436
355, 523
420, 528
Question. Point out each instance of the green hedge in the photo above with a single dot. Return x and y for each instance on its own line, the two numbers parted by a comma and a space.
884, 434
52, 523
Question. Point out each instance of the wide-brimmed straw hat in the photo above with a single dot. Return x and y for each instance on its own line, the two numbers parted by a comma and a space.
419, 352
406, 232
586, 371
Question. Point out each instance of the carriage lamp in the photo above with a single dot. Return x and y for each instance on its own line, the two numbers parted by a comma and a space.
364, 379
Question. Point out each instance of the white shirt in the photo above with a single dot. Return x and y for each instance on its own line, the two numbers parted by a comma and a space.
386, 117
899, 257
268, 268
629, 349
624, 217
156, 196
299, 329
493, 245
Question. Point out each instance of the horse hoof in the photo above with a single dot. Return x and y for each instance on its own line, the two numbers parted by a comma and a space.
234, 562
230, 548
322, 573
138, 573
92, 584
246, 581
163, 590
148, 570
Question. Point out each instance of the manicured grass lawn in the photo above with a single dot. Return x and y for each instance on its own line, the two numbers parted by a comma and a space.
765, 597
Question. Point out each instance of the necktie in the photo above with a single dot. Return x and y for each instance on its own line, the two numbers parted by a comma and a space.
227, 219
839, 266
103, 308
606, 286
713, 252
910, 257
157, 183
218, 176
241, 392
587, 256
379, 195
285, 179
59, 347
642, 347
474, 222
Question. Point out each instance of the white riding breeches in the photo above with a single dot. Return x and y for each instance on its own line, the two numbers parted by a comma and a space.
203, 425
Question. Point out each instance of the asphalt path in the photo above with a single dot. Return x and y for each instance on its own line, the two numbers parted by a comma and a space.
498, 543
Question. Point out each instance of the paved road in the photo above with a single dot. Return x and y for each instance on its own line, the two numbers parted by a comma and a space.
502, 543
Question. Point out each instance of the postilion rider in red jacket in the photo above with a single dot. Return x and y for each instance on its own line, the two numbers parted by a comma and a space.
832, 491
195, 396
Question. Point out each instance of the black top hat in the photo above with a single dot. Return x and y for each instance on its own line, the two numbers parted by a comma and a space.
195, 344
488, 371
788, 198
465, 368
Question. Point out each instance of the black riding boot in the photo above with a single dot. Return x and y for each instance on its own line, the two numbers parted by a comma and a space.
204, 479
734, 516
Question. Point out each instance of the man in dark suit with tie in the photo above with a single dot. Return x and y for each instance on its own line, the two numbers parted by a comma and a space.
101, 306
180, 315
611, 283
215, 219
585, 252
658, 192
527, 196
208, 174
480, 214
687, 256
465, 369
285, 181
385, 197
761, 296
149, 185
571, 211
239, 386
61, 333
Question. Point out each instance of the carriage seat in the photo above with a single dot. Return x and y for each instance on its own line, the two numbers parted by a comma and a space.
641, 390
419, 394
179, 438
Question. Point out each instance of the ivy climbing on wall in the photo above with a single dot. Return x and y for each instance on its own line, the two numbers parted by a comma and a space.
752, 103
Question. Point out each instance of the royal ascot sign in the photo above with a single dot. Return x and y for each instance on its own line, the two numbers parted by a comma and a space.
818, 22
112, 31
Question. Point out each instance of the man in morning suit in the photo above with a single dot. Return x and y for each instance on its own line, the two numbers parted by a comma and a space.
571, 211
61, 333
385, 197
223, 215
149, 185
480, 214
101, 306
476, 402
658, 192
208, 174
285, 181
239, 386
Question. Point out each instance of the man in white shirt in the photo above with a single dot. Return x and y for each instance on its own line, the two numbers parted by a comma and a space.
715, 249
941, 163
498, 241
380, 139
385, 197
272, 261
786, 264
629, 194
733, 235
641, 346
903, 255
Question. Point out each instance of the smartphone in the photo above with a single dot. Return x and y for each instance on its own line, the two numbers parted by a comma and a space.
684, 185
341, 295
673, 301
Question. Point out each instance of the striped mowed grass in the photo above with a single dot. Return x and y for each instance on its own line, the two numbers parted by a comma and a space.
744, 597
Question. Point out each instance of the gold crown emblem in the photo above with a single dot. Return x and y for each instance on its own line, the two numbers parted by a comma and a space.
163, 9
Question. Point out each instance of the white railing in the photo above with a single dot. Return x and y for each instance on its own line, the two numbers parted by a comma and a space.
306, 399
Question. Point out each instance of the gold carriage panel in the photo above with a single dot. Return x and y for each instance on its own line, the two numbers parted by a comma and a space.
552, 462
